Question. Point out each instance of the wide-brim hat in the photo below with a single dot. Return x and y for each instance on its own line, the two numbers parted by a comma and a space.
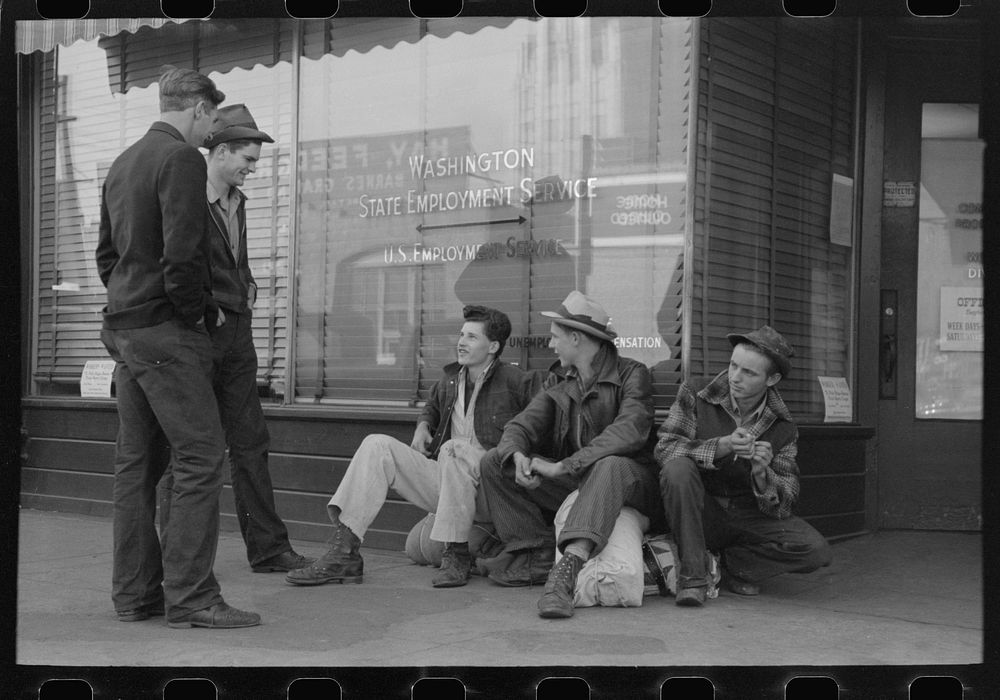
234, 122
771, 343
583, 313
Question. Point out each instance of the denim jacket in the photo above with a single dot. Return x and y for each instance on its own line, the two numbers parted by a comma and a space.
613, 418
505, 392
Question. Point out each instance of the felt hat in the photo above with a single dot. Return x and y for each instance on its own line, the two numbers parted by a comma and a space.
771, 343
583, 313
234, 122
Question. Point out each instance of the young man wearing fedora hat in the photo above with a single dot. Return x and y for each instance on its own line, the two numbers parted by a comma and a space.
234, 145
591, 431
728, 475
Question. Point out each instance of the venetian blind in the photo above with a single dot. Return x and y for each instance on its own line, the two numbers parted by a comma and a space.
777, 125
80, 133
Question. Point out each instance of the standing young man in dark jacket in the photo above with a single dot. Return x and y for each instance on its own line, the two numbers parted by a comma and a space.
152, 256
233, 151
728, 474
591, 432
439, 470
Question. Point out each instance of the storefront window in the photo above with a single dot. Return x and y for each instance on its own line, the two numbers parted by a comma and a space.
84, 125
950, 327
82, 128
696, 177
501, 165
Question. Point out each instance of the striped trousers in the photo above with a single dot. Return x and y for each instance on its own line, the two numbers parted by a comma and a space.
523, 517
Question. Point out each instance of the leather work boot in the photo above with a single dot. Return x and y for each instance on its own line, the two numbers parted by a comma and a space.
557, 601
739, 586
342, 563
456, 563
525, 567
691, 597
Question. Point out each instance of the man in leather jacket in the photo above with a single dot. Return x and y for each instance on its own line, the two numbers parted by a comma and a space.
439, 469
592, 431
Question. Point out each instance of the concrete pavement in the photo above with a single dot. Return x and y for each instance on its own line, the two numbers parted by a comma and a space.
892, 599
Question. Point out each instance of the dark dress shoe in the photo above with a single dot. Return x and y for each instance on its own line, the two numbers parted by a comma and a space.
219, 616
690, 597
143, 612
286, 561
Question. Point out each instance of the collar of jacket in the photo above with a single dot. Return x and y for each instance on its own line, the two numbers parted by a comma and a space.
232, 190
167, 128
717, 391
605, 366
453, 368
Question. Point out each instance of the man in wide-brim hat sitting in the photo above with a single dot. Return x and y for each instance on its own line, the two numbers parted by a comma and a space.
592, 432
729, 477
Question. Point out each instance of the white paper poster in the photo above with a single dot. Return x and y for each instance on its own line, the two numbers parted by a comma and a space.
837, 398
841, 210
95, 380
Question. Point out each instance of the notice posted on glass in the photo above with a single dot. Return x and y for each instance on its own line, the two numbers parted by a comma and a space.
837, 397
962, 319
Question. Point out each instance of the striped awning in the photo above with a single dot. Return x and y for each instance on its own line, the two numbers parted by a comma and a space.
44, 35
226, 43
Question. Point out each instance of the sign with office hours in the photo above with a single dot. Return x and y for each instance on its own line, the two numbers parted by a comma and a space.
962, 319
95, 380
837, 399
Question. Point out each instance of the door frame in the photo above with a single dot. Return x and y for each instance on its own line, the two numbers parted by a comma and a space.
882, 40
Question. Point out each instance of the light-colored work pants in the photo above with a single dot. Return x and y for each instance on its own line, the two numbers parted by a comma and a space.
447, 486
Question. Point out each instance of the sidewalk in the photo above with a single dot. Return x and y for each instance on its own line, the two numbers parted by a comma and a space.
897, 598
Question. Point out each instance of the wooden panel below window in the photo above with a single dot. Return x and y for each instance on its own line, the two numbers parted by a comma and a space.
74, 474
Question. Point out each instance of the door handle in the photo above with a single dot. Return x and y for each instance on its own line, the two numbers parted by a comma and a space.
888, 352
887, 359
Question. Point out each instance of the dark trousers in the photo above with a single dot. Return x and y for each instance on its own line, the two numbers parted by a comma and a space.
753, 546
165, 400
523, 517
234, 372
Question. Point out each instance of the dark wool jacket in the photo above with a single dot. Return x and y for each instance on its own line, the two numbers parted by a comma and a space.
231, 276
702, 414
152, 250
614, 417
505, 392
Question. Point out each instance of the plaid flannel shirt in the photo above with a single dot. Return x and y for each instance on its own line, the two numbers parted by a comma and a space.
677, 438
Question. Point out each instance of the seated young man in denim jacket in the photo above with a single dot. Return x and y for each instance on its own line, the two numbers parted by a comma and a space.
439, 470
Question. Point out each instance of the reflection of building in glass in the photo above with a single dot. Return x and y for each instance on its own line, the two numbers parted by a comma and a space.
502, 161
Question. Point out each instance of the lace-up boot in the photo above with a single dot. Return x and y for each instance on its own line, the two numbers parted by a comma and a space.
456, 563
557, 601
342, 563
